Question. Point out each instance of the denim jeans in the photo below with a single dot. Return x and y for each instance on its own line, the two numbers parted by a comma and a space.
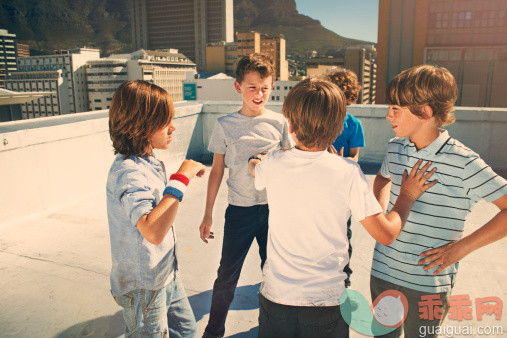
242, 226
412, 323
161, 313
285, 321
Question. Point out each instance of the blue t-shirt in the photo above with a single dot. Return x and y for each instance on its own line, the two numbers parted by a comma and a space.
352, 135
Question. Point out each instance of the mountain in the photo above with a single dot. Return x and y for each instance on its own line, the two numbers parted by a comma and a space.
47, 25
281, 16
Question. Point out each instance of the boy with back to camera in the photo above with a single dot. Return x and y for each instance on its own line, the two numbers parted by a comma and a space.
141, 208
311, 195
351, 138
421, 100
237, 136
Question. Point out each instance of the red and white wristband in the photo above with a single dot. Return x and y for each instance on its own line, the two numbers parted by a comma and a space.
177, 186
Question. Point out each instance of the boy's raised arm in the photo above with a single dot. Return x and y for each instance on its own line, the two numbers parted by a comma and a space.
381, 190
155, 225
448, 254
385, 229
214, 182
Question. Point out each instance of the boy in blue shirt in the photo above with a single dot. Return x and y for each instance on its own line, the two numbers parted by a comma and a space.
423, 260
237, 136
141, 208
351, 138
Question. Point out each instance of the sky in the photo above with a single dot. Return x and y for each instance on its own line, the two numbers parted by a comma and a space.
357, 19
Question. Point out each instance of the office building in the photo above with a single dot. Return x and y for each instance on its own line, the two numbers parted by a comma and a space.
359, 59
166, 69
11, 103
7, 55
23, 50
224, 56
187, 25
63, 74
467, 37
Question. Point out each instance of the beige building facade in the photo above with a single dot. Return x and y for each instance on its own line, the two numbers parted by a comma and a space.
468, 37
166, 69
360, 60
223, 56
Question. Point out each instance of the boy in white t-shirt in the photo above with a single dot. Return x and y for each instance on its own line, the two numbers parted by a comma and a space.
311, 194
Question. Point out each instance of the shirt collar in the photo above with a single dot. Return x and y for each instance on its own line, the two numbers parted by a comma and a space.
434, 147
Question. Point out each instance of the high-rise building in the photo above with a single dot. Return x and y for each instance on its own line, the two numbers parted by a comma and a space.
224, 56
63, 74
468, 37
166, 69
359, 59
187, 25
7, 55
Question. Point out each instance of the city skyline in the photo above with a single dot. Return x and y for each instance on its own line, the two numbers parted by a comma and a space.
341, 16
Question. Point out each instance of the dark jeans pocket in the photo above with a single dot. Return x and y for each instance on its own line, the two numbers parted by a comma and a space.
126, 301
323, 322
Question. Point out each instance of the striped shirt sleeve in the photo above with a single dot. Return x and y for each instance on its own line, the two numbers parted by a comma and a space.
384, 169
481, 182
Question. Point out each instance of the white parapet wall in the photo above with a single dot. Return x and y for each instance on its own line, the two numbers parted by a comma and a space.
48, 163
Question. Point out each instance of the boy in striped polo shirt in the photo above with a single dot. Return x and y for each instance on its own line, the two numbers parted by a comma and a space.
424, 258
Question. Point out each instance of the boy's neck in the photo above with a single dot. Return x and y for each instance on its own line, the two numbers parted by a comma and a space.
251, 113
425, 137
300, 146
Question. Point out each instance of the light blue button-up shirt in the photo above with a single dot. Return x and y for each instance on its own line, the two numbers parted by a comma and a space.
134, 187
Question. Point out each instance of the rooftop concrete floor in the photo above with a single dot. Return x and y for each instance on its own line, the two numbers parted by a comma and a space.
55, 270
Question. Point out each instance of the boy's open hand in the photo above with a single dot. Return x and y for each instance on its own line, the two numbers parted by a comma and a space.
205, 228
191, 168
413, 185
332, 150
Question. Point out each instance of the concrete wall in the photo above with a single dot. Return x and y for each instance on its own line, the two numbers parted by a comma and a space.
51, 162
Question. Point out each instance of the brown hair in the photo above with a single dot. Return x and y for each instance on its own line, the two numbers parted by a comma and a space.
316, 109
255, 63
138, 109
346, 80
425, 85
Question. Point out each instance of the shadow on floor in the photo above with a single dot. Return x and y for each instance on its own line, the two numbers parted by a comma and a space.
245, 298
106, 326
253, 332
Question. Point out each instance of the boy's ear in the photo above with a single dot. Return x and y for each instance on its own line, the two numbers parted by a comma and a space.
237, 86
428, 112
291, 130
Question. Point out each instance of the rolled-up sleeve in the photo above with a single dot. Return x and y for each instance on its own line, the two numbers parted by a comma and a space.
134, 194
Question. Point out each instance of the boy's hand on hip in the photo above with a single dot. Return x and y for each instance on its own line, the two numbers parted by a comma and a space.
205, 228
442, 257
191, 168
413, 185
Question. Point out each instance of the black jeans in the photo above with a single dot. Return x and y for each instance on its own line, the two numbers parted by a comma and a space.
284, 321
242, 226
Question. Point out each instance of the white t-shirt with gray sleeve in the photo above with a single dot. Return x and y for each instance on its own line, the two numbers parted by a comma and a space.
238, 137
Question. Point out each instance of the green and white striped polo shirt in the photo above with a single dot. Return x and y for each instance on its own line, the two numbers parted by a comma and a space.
438, 216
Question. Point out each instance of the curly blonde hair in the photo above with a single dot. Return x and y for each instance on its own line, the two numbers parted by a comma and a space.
347, 81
